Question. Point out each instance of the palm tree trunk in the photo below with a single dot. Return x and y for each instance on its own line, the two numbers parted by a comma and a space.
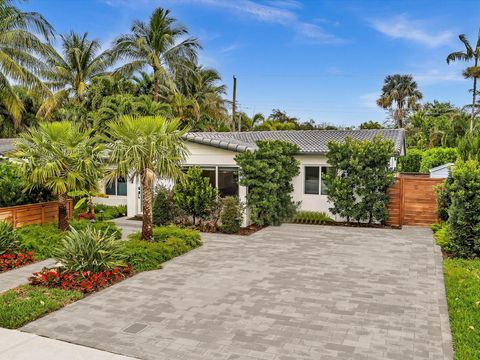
147, 230
474, 98
62, 212
155, 87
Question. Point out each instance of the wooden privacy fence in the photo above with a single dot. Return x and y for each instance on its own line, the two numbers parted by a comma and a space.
413, 201
30, 214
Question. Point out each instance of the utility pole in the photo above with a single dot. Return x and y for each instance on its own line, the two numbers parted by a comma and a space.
234, 102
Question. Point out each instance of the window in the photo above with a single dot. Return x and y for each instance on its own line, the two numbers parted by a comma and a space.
323, 190
312, 180
116, 187
228, 181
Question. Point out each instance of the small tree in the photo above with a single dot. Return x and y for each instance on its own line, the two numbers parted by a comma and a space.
194, 194
268, 174
230, 215
359, 178
162, 209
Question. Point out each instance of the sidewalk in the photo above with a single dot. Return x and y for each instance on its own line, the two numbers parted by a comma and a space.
17, 345
13, 278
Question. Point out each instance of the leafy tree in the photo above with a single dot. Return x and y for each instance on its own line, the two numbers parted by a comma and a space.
469, 147
147, 147
230, 215
436, 157
400, 95
162, 208
359, 178
370, 125
195, 195
471, 72
411, 161
20, 50
268, 173
62, 158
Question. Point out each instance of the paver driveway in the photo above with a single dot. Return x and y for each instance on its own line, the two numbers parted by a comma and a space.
289, 292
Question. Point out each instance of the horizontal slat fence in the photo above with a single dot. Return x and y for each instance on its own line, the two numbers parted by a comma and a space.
31, 214
413, 201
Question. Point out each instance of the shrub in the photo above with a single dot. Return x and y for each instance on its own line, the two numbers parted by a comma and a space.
104, 226
89, 250
102, 212
9, 242
437, 156
268, 173
194, 194
464, 214
443, 198
411, 161
13, 261
442, 238
162, 209
312, 217
163, 233
230, 215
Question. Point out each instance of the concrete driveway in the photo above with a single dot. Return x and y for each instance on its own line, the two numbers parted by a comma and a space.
289, 292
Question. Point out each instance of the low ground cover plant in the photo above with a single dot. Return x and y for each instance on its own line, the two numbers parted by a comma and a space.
312, 217
102, 212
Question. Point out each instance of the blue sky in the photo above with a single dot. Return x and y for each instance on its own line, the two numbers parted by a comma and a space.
321, 60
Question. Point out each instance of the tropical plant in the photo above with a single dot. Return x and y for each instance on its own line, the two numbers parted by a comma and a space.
20, 50
312, 217
470, 53
469, 147
230, 215
268, 173
9, 242
194, 194
61, 158
70, 72
367, 125
148, 148
160, 44
89, 249
400, 95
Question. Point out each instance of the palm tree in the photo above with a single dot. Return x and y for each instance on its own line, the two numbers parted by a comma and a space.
471, 72
400, 95
158, 44
19, 52
62, 158
70, 73
148, 148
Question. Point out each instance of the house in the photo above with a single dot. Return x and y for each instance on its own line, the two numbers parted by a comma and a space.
214, 152
6, 145
441, 172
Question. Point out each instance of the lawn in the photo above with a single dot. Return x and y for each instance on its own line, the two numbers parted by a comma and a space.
26, 303
462, 283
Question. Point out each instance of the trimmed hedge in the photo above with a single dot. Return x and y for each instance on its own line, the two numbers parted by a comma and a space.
437, 156
312, 217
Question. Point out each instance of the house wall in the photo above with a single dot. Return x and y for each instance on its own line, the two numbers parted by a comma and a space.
440, 173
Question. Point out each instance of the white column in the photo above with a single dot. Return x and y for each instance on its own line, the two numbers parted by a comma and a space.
242, 195
132, 198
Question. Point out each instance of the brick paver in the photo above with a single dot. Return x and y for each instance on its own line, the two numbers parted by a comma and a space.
13, 278
289, 292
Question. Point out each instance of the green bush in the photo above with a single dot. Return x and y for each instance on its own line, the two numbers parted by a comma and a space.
312, 217
162, 209
464, 214
89, 249
143, 255
411, 162
163, 233
442, 237
108, 226
9, 243
443, 198
230, 215
103, 212
437, 156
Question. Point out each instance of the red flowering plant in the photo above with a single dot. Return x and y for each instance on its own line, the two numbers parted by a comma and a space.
11, 255
13, 261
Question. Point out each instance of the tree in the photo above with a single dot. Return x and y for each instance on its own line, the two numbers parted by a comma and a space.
62, 158
159, 44
370, 125
162, 208
268, 173
471, 72
195, 195
149, 148
400, 95
20, 50
70, 72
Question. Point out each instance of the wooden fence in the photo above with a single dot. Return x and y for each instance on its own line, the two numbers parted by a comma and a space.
413, 201
41, 213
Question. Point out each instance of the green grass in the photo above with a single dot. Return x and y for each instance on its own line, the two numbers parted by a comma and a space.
462, 283
26, 303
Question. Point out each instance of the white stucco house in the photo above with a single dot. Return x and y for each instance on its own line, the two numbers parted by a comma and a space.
215, 153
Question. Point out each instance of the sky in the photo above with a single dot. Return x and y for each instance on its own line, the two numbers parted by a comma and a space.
314, 59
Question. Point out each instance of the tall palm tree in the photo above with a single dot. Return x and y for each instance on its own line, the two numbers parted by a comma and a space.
400, 95
472, 72
159, 44
70, 72
20, 49
62, 158
148, 148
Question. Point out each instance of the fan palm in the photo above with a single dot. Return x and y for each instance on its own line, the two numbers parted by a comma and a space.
19, 52
471, 72
62, 158
400, 95
148, 148
71, 71
159, 44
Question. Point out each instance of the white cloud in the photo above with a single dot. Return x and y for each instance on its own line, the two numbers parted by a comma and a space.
436, 76
369, 100
401, 27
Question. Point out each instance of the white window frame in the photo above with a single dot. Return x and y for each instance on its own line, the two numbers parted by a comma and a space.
115, 182
320, 187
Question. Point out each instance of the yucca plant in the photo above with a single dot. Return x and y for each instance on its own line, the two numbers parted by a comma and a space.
89, 250
9, 242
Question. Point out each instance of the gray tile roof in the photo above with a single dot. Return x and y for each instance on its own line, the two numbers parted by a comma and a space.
6, 145
309, 141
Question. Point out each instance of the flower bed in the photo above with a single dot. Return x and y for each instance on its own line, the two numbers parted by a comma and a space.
84, 281
13, 261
